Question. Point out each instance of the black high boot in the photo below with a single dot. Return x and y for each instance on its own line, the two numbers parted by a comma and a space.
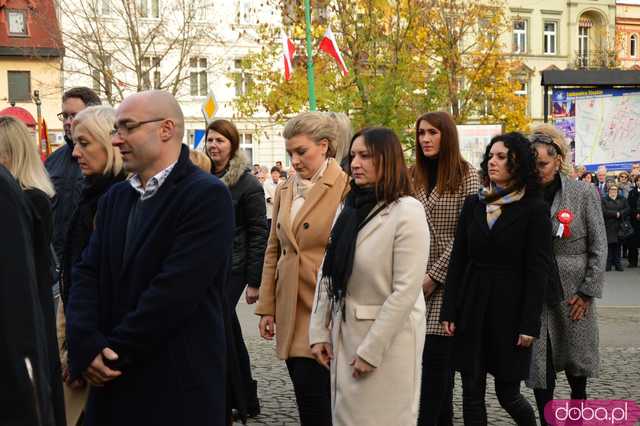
253, 404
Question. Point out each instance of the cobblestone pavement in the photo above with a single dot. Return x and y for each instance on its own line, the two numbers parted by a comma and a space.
619, 379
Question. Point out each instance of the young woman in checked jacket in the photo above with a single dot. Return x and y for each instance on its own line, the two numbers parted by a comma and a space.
443, 180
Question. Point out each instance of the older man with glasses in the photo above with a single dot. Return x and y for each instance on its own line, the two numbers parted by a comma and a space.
145, 317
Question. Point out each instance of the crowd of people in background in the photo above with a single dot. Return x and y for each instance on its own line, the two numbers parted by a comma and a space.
370, 272
619, 193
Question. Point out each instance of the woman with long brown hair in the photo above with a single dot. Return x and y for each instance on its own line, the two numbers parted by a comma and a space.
367, 326
230, 164
443, 179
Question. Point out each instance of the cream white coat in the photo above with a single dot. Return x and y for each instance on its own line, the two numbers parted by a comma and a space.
384, 324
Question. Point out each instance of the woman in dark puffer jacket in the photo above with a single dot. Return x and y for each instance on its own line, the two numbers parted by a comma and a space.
250, 236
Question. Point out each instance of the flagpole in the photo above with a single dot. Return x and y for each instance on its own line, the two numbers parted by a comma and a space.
310, 77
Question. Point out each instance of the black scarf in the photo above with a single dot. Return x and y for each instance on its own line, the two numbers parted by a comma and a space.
550, 190
338, 261
81, 224
432, 173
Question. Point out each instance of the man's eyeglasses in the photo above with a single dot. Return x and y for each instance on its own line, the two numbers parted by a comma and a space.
124, 128
64, 116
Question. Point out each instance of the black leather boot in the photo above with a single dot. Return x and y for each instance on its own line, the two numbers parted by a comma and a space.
253, 405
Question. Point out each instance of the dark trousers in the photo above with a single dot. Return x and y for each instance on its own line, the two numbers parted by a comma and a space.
577, 384
633, 256
436, 396
514, 403
613, 255
312, 386
234, 292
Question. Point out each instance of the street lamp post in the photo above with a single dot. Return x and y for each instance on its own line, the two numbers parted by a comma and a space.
38, 102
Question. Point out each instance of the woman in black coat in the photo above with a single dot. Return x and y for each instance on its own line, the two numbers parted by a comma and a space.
495, 284
101, 167
250, 236
615, 209
634, 215
19, 155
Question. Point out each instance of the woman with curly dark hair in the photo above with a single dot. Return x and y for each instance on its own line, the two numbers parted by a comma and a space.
496, 278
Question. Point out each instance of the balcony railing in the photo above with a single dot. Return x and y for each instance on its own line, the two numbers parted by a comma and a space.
601, 58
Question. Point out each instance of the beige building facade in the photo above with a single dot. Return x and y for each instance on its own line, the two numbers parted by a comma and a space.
31, 55
548, 34
41, 74
628, 33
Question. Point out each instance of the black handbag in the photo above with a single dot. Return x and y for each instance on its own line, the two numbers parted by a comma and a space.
625, 230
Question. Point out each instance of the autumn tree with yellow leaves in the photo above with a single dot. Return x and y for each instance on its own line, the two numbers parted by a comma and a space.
469, 70
404, 58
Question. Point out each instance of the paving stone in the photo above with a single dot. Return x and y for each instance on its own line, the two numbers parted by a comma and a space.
619, 379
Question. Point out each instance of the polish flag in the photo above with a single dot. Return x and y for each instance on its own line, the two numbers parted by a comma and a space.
288, 52
43, 137
329, 45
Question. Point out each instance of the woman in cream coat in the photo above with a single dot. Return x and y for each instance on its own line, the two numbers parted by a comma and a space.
368, 322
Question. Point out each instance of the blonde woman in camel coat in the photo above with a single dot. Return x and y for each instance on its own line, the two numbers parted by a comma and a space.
303, 211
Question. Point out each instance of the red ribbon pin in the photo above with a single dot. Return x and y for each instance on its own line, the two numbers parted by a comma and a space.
565, 217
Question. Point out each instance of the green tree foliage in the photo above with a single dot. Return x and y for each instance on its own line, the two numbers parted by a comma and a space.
404, 58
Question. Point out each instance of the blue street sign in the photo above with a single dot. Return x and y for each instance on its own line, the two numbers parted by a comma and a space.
198, 137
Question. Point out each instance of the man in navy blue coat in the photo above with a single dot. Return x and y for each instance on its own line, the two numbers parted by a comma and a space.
144, 318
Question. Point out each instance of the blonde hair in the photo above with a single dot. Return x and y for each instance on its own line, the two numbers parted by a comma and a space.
317, 126
345, 133
20, 154
559, 140
200, 160
98, 121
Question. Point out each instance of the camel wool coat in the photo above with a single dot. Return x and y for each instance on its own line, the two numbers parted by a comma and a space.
384, 321
294, 253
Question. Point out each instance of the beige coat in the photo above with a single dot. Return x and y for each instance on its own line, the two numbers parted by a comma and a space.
385, 321
292, 260
74, 399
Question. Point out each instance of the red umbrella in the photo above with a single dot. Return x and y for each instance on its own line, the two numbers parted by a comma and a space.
21, 114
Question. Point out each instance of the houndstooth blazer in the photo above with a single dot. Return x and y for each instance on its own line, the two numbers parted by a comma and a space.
443, 212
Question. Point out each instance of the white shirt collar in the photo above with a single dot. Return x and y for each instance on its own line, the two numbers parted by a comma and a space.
153, 185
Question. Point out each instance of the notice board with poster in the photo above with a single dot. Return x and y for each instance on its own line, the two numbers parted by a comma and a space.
603, 125
474, 139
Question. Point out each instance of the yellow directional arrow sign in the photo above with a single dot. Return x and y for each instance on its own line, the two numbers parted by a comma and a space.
209, 107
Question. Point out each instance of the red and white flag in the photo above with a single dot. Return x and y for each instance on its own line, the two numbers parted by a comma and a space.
329, 45
288, 52
44, 146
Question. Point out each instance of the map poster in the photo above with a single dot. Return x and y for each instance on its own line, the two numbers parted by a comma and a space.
474, 139
603, 126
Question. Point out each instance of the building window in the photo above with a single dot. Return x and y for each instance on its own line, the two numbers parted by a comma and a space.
246, 145
246, 14
633, 46
17, 22
583, 46
201, 11
520, 36
242, 79
102, 76
522, 88
550, 36
150, 65
149, 8
19, 86
198, 77
104, 7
